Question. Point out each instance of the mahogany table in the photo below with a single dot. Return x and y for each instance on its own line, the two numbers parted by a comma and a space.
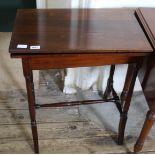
146, 17
59, 38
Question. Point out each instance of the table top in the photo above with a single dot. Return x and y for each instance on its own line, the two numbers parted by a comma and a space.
147, 17
77, 31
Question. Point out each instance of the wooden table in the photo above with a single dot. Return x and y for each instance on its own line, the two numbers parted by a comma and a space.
62, 38
146, 17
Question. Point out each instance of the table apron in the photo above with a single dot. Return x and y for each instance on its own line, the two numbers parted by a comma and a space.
71, 61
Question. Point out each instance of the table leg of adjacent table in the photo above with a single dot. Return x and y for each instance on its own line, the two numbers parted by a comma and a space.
125, 99
150, 118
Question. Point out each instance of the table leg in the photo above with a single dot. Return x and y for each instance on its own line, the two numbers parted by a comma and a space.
31, 101
150, 118
126, 98
149, 66
110, 90
109, 83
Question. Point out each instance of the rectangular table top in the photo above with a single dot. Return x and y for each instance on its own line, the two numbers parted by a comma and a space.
77, 31
147, 17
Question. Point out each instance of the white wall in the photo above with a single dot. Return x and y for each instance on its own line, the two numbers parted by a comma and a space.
41, 4
94, 3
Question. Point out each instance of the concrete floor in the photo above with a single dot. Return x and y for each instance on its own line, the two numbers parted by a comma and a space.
11, 74
66, 130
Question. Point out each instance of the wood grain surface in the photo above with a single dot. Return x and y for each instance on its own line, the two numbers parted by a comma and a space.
78, 31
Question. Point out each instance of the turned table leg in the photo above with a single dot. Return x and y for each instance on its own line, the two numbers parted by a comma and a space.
150, 118
126, 98
31, 101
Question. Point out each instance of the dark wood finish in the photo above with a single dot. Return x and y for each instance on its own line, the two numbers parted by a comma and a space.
31, 101
76, 38
110, 90
126, 97
78, 31
150, 118
80, 60
146, 17
73, 103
